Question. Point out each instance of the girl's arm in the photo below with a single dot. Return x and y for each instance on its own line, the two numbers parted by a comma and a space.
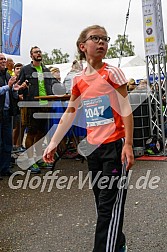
63, 126
127, 117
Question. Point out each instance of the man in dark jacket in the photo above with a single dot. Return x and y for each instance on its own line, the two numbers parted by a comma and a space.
39, 83
8, 107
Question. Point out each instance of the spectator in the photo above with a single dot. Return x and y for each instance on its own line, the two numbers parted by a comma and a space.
38, 84
58, 88
10, 66
76, 67
55, 71
8, 103
18, 129
131, 85
165, 126
142, 85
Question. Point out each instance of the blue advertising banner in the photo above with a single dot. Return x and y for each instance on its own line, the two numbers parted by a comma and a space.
11, 26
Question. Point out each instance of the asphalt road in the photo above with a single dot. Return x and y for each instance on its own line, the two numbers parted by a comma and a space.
32, 219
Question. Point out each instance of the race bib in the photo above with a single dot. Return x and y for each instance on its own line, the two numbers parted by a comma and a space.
98, 111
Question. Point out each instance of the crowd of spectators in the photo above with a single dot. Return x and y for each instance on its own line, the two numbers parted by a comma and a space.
19, 130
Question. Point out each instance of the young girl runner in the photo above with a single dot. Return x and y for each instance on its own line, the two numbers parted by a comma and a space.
103, 92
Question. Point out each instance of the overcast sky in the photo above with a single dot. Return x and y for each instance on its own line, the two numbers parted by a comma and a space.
57, 24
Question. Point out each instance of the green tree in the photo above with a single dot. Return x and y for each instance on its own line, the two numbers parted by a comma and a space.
56, 57
59, 57
121, 47
46, 59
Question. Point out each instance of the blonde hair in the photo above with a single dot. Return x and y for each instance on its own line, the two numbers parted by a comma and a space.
83, 37
54, 69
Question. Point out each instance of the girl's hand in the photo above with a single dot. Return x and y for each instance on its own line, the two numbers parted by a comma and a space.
48, 155
127, 156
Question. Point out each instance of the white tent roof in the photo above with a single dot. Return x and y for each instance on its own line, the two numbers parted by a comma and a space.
135, 72
126, 61
133, 67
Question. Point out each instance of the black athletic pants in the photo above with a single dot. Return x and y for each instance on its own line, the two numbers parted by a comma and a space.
110, 193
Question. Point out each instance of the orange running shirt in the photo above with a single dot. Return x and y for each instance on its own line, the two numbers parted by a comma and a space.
100, 101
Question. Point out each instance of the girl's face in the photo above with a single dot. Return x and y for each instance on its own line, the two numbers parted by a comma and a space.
96, 44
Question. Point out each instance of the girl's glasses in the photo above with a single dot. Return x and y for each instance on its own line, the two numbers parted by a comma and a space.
96, 39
